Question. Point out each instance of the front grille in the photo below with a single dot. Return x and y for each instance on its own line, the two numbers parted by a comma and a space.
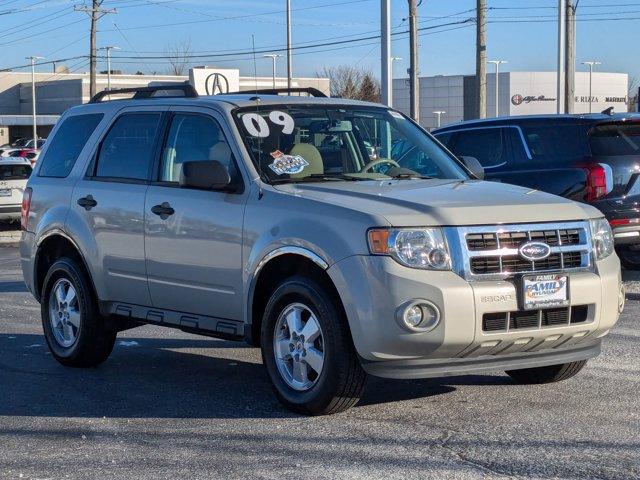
534, 319
494, 251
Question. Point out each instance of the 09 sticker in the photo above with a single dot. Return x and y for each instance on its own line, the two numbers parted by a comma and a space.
257, 126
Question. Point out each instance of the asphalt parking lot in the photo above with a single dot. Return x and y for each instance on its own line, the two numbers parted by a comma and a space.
173, 405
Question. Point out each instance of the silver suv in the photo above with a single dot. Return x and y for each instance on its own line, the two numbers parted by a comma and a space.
337, 235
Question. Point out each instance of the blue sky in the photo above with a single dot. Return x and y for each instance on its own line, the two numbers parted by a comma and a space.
522, 32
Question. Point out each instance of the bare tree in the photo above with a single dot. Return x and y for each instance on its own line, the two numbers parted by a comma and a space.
632, 97
346, 81
179, 55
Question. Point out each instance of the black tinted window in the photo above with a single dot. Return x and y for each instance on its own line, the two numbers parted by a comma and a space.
616, 139
551, 143
486, 145
127, 150
444, 138
67, 144
14, 172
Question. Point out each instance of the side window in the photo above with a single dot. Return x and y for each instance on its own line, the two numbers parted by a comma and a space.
485, 144
127, 150
444, 138
194, 138
67, 144
552, 143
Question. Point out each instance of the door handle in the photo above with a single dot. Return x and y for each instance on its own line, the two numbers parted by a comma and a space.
87, 202
163, 210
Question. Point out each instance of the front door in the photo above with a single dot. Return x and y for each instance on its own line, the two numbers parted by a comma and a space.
110, 201
193, 238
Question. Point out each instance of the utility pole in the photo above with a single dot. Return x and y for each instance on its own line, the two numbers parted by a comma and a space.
386, 87
591, 64
108, 50
95, 13
273, 57
289, 65
481, 57
414, 87
33, 98
497, 63
561, 80
570, 60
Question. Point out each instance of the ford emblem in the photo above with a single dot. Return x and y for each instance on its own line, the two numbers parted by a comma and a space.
533, 251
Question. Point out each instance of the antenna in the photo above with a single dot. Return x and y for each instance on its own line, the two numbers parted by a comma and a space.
255, 66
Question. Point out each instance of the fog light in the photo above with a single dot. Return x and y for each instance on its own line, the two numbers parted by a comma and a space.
418, 316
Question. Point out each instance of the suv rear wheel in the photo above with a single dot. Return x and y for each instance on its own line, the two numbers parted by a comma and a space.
549, 374
307, 350
75, 332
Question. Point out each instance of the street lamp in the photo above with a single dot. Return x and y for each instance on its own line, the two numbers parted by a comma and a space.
391, 60
591, 64
497, 64
439, 114
108, 50
33, 98
273, 57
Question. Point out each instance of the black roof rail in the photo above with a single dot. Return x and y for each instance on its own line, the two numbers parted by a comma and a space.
148, 92
314, 92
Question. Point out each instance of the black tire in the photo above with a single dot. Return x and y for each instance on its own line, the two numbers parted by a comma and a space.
93, 340
629, 256
549, 374
341, 381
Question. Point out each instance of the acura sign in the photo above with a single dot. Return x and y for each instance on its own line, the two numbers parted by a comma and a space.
213, 81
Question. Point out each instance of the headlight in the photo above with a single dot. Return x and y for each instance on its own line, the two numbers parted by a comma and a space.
412, 247
602, 238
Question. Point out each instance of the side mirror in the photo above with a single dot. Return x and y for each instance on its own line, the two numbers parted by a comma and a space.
474, 165
205, 175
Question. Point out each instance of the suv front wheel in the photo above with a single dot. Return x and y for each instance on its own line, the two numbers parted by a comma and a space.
307, 350
73, 327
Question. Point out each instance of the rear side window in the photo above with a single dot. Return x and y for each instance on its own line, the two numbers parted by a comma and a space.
485, 144
444, 138
14, 172
127, 150
67, 144
553, 143
615, 139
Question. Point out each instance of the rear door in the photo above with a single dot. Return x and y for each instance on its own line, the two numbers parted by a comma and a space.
194, 248
110, 200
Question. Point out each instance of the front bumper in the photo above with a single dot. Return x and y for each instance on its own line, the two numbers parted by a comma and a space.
372, 288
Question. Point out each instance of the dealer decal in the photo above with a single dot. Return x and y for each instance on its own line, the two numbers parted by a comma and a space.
257, 126
287, 164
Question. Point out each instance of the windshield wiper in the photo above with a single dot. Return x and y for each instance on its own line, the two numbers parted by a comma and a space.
411, 176
316, 177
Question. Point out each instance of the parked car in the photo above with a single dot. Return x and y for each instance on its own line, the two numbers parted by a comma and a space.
26, 153
588, 158
22, 144
261, 217
14, 174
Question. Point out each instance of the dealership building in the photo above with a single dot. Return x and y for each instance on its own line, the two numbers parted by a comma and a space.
56, 92
519, 93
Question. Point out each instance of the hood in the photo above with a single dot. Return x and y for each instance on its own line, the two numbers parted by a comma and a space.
444, 202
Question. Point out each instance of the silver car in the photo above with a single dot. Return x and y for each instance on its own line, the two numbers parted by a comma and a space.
294, 223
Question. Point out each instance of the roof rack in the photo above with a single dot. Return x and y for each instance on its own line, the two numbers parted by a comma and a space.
148, 92
313, 92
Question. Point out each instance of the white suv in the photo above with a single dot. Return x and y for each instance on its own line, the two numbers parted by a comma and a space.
14, 173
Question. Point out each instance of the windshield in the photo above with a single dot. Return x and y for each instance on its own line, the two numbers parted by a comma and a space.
307, 143
615, 139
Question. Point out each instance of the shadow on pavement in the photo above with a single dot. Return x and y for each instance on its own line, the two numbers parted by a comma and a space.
13, 287
167, 378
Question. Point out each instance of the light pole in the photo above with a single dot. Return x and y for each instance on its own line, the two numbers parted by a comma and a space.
497, 64
591, 64
289, 62
273, 57
108, 50
439, 114
33, 98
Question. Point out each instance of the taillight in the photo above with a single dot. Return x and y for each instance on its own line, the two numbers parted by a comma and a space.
599, 181
619, 222
23, 153
26, 206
